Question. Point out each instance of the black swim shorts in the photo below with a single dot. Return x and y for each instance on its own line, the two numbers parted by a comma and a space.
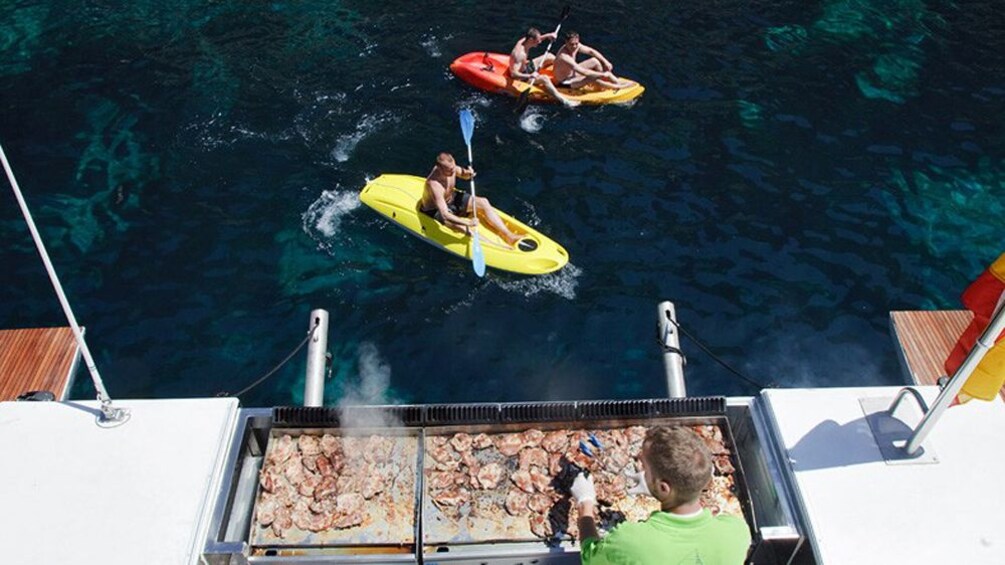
458, 205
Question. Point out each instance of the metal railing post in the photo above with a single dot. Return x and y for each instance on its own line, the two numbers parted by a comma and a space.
317, 349
946, 396
110, 415
673, 358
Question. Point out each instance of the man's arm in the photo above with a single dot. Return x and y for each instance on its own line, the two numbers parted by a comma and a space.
587, 520
465, 173
585, 493
591, 52
517, 58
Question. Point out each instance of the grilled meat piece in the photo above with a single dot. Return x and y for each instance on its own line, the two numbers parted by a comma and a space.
532, 438
533, 456
481, 441
509, 444
540, 526
281, 450
327, 487
461, 442
539, 503
723, 465
437, 480
378, 449
349, 511
373, 485
293, 470
283, 521
455, 496
330, 445
516, 502
309, 484
309, 445
265, 512
555, 442
491, 475
541, 481
522, 479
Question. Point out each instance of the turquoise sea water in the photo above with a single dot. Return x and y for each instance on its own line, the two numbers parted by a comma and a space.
794, 171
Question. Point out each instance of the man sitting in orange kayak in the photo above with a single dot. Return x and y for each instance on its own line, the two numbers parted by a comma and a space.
522, 67
443, 202
595, 70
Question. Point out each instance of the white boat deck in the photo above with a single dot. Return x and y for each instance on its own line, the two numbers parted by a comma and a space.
862, 509
142, 492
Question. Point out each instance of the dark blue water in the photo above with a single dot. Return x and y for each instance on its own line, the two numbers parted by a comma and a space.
794, 171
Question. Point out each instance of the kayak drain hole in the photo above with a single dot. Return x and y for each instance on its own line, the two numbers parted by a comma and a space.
527, 245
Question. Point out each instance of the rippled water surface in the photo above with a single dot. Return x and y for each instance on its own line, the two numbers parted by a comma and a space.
794, 171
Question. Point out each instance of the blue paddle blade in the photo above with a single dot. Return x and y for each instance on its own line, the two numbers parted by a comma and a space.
467, 125
595, 441
585, 448
477, 257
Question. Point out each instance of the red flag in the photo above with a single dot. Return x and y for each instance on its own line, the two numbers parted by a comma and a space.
982, 298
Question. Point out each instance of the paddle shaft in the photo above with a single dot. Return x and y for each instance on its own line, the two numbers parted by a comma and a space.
474, 201
558, 28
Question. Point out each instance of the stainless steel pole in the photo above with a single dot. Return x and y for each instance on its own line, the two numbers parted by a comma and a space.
952, 388
108, 413
317, 349
673, 359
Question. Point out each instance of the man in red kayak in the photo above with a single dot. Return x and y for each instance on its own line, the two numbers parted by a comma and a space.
522, 67
443, 202
595, 70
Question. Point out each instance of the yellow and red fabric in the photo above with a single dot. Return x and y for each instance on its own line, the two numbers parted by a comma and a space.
982, 298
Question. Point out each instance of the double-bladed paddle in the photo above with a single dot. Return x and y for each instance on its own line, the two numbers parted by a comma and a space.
477, 257
521, 101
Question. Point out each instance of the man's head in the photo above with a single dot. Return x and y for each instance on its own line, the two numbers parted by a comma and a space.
532, 37
445, 161
572, 40
677, 463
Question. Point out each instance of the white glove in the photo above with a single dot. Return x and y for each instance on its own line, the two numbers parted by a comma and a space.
640, 479
583, 490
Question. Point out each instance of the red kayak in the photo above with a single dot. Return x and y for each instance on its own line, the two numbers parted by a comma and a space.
490, 72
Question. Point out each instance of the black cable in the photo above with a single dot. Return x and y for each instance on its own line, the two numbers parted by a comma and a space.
707, 351
310, 334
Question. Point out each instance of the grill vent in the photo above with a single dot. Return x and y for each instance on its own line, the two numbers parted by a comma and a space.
355, 416
491, 413
605, 409
538, 412
452, 414
304, 416
691, 406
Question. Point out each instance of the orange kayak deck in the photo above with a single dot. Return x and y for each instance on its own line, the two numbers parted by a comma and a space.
490, 72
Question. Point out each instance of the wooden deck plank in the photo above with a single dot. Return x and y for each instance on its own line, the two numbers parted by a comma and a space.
36, 359
925, 339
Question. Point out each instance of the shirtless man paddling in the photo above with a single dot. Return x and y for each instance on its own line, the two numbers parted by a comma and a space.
443, 202
595, 70
522, 67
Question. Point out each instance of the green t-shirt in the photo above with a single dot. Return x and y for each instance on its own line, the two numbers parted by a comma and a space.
666, 539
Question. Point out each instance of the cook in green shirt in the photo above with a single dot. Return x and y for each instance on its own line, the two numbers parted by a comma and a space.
676, 466
671, 539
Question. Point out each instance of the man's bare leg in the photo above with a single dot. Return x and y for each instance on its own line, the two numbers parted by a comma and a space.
488, 214
546, 83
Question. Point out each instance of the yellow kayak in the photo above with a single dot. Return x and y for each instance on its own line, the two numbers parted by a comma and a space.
397, 198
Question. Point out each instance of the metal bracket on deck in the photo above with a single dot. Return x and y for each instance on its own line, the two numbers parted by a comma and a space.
891, 433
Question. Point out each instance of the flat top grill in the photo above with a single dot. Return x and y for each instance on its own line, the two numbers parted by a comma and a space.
508, 489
